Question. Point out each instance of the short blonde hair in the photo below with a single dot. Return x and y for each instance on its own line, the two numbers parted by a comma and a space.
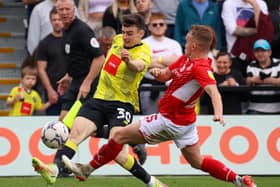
156, 15
204, 35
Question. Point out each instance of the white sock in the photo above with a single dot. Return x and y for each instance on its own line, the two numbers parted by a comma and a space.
88, 169
151, 183
238, 181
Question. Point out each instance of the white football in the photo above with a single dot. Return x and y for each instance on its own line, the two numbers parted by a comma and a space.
54, 134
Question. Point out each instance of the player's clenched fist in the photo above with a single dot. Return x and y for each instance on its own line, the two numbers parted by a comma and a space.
155, 72
125, 55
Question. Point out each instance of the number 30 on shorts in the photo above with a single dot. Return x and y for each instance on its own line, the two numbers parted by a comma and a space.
123, 114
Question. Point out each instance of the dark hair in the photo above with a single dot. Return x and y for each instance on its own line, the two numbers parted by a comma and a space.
134, 19
222, 53
53, 11
273, 5
30, 60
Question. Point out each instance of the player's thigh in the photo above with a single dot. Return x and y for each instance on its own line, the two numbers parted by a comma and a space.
84, 124
129, 134
82, 128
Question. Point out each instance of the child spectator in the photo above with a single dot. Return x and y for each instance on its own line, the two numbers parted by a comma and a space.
22, 99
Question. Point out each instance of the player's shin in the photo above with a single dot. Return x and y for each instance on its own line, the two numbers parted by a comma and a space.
69, 149
136, 169
106, 153
218, 170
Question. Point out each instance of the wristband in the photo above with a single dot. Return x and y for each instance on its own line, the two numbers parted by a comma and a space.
159, 60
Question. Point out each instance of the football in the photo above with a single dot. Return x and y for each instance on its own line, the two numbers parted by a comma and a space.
54, 134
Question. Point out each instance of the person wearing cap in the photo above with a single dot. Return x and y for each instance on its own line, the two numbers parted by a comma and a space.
263, 71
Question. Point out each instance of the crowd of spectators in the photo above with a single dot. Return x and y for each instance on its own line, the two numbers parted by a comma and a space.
247, 42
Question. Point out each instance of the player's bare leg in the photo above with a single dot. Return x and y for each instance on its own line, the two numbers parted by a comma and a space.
214, 167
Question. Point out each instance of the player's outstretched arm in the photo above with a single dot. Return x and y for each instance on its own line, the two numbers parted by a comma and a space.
95, 68
161, 74
217, 104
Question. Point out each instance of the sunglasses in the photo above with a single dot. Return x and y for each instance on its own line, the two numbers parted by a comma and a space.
157, 24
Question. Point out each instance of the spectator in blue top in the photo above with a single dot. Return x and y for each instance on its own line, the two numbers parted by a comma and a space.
199, 12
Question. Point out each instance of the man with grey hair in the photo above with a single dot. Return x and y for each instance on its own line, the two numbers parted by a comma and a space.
105, 36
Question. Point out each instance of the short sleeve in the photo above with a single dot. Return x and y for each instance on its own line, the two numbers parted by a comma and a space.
42, 51
204, 75
13, 93
90, 43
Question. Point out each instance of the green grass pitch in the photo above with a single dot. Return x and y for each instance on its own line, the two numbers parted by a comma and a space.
128, 181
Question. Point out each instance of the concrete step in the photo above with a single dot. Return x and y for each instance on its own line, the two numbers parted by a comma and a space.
5, 87
11, 19
18, 42
3, 98
11, 3
9, 65
9, 73
12, 34
7, 84
12, 54
4, 112
8, 8
10, 27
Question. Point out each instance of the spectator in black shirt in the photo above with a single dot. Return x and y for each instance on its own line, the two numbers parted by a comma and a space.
225, 76
49, 57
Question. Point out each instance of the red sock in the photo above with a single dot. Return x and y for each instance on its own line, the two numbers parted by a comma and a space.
217, 169
106, 153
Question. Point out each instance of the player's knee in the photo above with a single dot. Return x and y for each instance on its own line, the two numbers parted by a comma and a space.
119, 136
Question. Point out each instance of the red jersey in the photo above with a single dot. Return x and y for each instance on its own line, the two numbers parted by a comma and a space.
189, 77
